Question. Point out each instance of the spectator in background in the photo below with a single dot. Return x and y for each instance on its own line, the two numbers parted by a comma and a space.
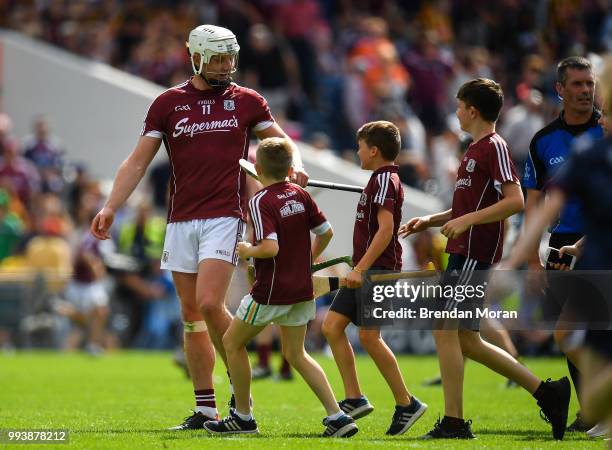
11, 228
20, 172
6, 126
44, 150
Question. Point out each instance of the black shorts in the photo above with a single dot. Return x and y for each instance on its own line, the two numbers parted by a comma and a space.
600, 341
357, 304
462, 271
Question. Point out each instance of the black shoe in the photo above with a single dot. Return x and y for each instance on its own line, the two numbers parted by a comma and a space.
285, 376
554, 404
356, 407
405, 416
344, 426
260, 373
578, 425
439, 432
194, 422
231, 424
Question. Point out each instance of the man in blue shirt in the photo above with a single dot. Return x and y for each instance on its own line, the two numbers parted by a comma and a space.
549, 149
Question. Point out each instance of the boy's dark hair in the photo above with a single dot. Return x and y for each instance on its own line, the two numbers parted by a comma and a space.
483, 94
572, 62
383, 135
274, 157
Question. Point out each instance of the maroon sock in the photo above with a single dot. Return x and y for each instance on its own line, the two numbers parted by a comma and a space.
263, 353
285, 367
205, 398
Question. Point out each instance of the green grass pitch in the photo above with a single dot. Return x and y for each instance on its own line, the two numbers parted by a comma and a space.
127, 399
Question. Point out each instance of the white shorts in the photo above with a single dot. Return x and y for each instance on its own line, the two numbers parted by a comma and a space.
86, 296
259, 315
188, 243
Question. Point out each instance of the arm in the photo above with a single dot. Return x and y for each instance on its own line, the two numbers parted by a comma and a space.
299, 174
320, 243
417, 224
534, 201
533, 230
378, 245
507, 206
268, 248
128, 176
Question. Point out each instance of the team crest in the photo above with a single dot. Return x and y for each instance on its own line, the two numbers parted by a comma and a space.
229, 105
363, 199
471, 164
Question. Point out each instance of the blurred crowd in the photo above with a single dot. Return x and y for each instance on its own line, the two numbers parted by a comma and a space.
328, 66
325, 67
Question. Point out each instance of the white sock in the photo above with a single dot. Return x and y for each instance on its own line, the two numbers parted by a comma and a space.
231, 389
207, 411
243, 416
336, 416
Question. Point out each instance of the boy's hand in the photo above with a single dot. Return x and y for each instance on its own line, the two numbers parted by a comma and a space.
354, 279
454, 228
243, 249
414, 225
573, 250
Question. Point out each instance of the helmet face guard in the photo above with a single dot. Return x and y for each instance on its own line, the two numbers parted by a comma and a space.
209, 41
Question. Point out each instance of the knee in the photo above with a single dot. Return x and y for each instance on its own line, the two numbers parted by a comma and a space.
209, 307
229, 344
293, 356
330, 331
369, 338
560, 337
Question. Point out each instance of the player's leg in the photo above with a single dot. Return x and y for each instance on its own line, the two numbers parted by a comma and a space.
199, 351
408, 409
213, 279
553, 396
338, 424
263, 345
451, 364
235, 340
334, 326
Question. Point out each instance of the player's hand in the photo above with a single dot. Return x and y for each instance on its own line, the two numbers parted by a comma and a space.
354, 279
102, 223
243, 248
299, 176
454, 228
414, 225
573, 250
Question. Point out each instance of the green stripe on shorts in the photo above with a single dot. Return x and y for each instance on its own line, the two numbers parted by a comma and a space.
247, 311
255, 315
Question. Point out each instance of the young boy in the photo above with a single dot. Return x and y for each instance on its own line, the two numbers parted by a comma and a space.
487, 191
375, 246
283, 216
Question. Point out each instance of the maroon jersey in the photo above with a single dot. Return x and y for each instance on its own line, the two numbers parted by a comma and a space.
285, 212
486, 165
384, 190
205, 134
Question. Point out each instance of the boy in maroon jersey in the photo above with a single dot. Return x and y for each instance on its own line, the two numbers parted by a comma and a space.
283, 217
487, 191
376, 247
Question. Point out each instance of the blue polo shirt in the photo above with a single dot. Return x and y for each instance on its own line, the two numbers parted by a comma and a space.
548, 151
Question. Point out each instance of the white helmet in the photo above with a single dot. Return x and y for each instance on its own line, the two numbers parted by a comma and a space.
210, 40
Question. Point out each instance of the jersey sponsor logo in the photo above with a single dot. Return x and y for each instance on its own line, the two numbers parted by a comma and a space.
182, 126
292, 207
360, 215
165, 256
463, 183
206, 102
363, 199
556, 160
182, 108
286, 195
471, 165
223, 252
229, 105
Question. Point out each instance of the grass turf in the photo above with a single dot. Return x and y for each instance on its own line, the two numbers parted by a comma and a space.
127, 399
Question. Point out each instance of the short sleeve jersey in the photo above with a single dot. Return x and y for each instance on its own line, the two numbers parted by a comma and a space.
548, 151
205, 134
384, 190
286, 213
485, 166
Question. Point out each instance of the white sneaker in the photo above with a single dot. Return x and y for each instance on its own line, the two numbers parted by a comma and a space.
599, 430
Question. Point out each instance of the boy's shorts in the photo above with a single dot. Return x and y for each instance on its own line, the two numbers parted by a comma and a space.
259, 315
463, 271
190, 242
357, 305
